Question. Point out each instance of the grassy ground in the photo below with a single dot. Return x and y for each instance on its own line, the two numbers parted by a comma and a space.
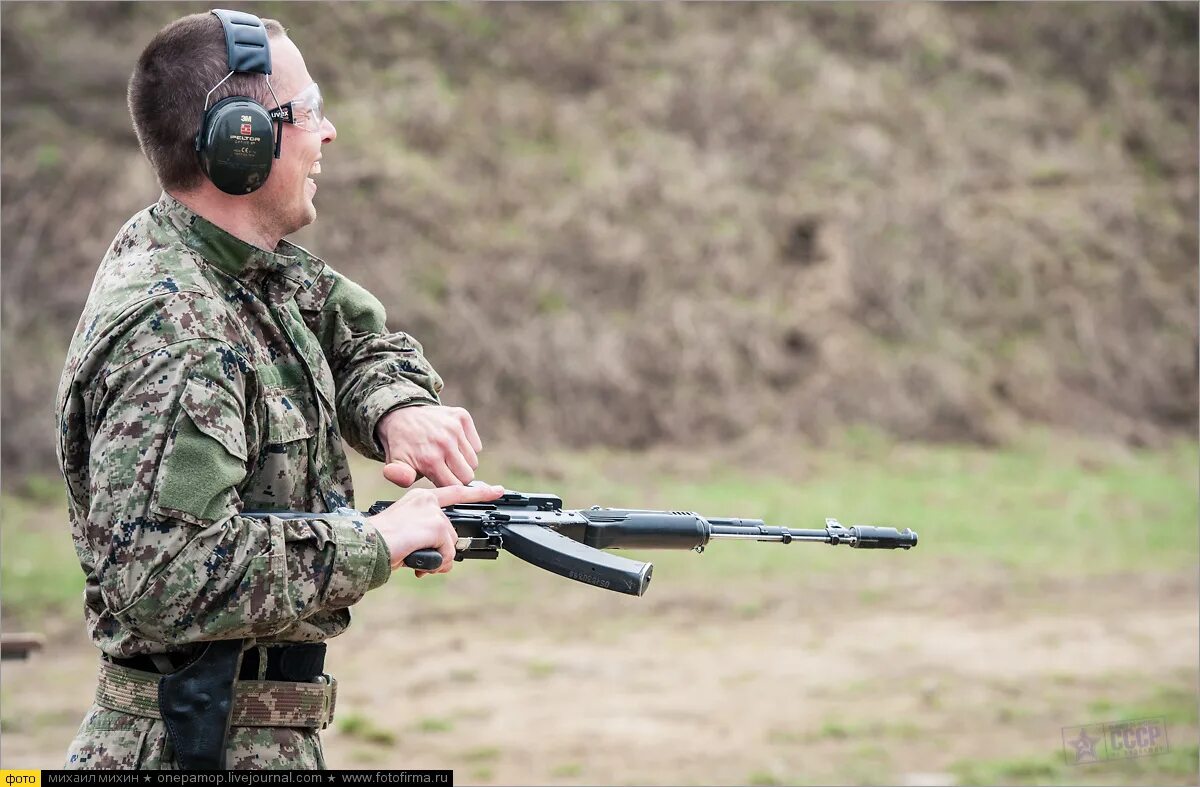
39, 573
1054, 585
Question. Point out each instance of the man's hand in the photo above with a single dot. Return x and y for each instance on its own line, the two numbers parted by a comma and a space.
437, 442
416, 521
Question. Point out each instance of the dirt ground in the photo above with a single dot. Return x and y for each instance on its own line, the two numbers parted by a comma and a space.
754, 684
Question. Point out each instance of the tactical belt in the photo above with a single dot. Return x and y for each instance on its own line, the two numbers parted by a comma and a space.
256, 703
301, 662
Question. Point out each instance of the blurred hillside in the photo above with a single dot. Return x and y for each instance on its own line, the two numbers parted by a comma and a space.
632, 224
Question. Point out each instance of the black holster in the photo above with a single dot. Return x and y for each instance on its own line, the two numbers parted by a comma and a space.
196, 702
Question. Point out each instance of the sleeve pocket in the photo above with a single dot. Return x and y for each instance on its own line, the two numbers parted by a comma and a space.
215, 414
204, 459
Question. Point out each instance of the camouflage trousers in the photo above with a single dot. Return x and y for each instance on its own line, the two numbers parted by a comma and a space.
114, 740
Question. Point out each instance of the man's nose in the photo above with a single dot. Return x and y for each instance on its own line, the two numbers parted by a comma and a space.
328, 131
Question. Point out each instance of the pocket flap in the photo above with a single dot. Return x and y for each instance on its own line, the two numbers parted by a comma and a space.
213, 413
285, 420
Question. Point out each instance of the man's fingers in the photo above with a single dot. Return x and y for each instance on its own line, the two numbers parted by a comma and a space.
462, 471
468, 452
400, 474
453, 495
440, 474
468, 425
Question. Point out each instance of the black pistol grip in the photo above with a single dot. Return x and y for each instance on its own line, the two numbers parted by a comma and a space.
424, 560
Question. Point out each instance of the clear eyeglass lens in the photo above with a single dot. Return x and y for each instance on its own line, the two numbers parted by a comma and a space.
309, 108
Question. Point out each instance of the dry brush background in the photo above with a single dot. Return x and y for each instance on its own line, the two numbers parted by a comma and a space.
634, 224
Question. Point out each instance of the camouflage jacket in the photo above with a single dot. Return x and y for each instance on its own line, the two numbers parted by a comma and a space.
208, 377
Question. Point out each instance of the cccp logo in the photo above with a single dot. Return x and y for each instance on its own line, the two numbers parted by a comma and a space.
1118, 740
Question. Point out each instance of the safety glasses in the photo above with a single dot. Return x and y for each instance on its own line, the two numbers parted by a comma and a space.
306, 110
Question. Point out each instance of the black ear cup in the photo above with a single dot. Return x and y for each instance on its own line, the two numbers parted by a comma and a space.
236, 145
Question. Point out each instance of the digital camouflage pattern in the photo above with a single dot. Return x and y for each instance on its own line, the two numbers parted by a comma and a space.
112, 740
256, 703
207, 377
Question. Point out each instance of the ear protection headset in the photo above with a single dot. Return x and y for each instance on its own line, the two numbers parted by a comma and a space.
235, 142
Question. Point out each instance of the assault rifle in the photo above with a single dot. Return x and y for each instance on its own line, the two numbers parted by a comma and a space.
537, 529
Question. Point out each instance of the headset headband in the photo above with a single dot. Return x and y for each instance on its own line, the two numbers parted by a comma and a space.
230, 142
245, 42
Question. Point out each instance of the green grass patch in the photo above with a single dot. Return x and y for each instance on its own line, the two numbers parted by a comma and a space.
481, 754
567, 770
863, 730
365, 756
834, 730
39, 571
1043, 769
539, 670
1176, 705
1007, 713
786, 737
356, 725
1177, 766
433, 724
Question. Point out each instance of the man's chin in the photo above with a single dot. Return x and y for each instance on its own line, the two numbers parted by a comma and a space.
306, 214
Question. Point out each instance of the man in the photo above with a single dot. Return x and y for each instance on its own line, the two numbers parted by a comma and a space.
216, 370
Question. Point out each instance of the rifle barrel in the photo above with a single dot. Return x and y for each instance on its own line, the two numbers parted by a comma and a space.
819, 536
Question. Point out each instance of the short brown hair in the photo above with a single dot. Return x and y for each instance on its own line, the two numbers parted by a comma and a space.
166, 93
